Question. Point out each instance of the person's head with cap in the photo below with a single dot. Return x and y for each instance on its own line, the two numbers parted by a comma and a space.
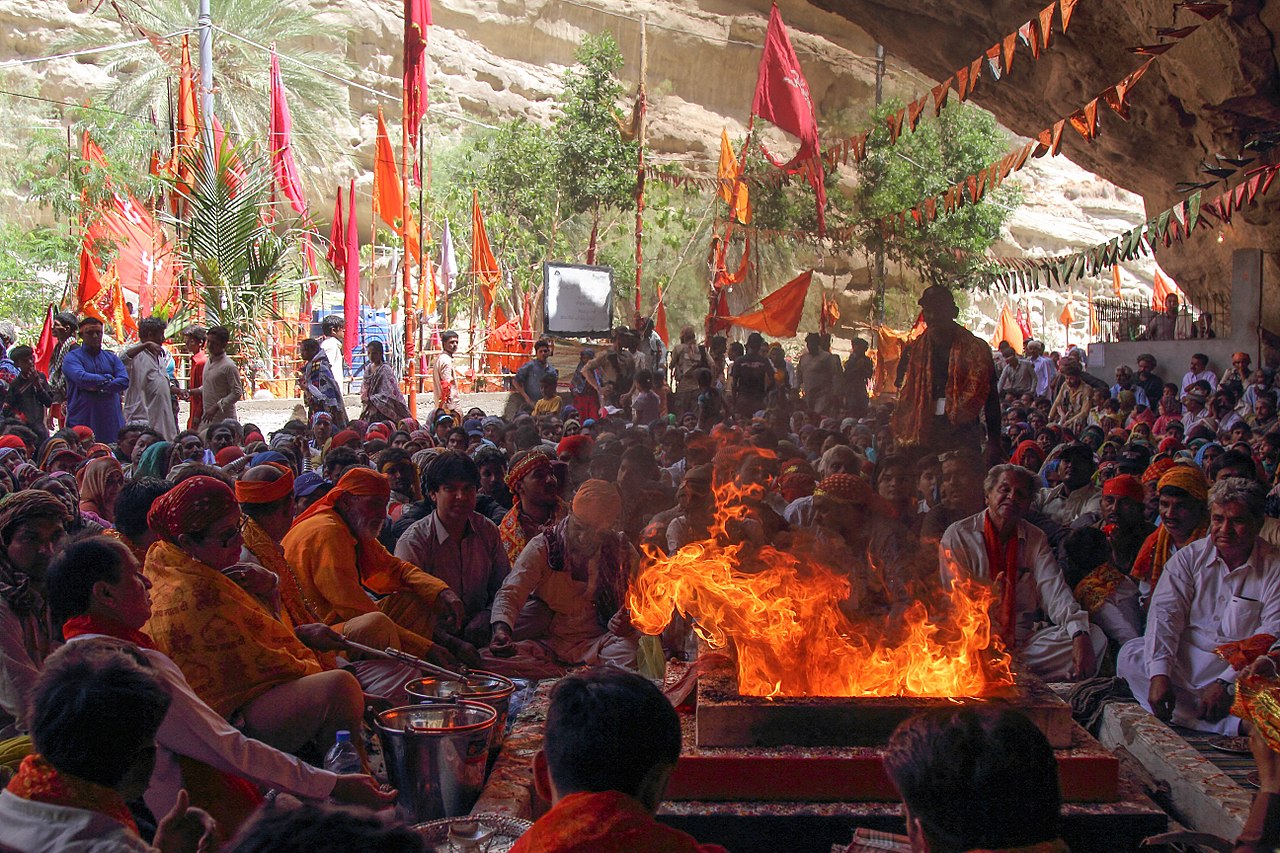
265, 493
596, 509
938, 305
1122, 502
1184, 496
201, 516
308, 488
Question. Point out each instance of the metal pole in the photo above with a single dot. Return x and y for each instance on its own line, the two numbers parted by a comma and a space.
642, 96
879, 303
205, 24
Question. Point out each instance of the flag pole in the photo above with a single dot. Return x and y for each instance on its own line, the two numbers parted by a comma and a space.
407, 303
643, 97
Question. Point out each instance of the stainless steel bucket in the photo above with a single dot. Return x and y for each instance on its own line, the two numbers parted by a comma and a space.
435, 756
487, 688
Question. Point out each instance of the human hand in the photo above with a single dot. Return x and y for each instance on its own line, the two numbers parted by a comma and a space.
450, 611
1083, 662
1160, 697
464, 652
185, 829
320, 638
358, 789
252, 578
620, 624
500, 642
440, 656
1215, 702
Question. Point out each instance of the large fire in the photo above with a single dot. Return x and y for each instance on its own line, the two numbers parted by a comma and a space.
798, 626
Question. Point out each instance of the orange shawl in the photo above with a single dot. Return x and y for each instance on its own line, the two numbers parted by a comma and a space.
294, 610
604, 822
1155, 552
228, 646
968, 384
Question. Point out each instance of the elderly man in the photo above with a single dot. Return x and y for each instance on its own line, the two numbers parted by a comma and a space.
532, 481
211, 615
1035, 612
1043, 366
460, 547
345, 572
1017, 375
947, 380
1075, 495
1220, 589
32, 526
1124, 382
580, 570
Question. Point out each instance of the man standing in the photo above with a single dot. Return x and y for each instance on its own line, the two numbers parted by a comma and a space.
819, 370
193, 339
64, 332
1164, 327
1043, 366
96, 381
858, 371
753, 379
29, 396
319, 388
528, 382
222, 389
448, 396
332, 328
686, 358
148, 398
947, 380
611, 373
1000, 547
1220, 589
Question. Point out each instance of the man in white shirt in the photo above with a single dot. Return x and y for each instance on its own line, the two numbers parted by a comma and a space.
1076, 495
1199, 372
333, 327
1219, 589
147, 399
1051, 634
1043, 366
448, 396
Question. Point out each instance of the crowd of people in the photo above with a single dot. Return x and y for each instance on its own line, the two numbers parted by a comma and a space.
178, 606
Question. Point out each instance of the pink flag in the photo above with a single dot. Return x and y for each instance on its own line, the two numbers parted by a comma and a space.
351, 279
283, 166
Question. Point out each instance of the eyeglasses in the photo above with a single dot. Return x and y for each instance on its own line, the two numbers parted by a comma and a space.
226, 540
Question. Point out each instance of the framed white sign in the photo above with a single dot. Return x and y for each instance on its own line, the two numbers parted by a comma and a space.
577, 300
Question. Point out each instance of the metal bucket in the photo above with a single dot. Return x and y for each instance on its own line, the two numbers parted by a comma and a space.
487, 688
435, 756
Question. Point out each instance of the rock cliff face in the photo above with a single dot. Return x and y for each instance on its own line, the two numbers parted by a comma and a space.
498, 59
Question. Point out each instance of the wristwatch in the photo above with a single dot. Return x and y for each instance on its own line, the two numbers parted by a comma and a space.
1229, 685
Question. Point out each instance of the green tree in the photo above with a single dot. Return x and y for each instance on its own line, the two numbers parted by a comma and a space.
952, 249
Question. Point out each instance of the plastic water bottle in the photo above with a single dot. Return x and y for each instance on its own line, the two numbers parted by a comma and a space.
343, 757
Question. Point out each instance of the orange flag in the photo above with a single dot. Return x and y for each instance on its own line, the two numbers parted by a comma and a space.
484, 266
90, 286
1164, 287
1007, 329
388, 202
729, 181
1115, 280
779, 312
1066, 318
660, 320
188, 122
1094, 326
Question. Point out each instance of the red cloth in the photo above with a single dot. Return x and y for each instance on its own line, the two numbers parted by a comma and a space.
576, 446
279, 130
46, 344
1125, 486
417, 19
197, 380
606, 822
40, 782
12, 441
779, 312
346, 436
227, 455
351, 279
1003, 559
1020, 453
337, 252
782, 97
78, 626
190, 506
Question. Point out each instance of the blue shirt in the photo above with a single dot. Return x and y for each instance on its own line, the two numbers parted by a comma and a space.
95, 388
530, 377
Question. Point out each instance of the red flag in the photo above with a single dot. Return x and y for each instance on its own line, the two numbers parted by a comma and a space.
280, 128
660, 320
484, 266
90, 286
235, 173
779, 312
351, 279
417, 17
782, 97
337, 253
44, 346
1024, 324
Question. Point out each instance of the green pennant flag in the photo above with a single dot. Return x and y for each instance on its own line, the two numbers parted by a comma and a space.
1113, 249
1193, 210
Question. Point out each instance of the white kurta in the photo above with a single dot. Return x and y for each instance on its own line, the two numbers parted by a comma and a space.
147, 399
1048, 614
1199, 604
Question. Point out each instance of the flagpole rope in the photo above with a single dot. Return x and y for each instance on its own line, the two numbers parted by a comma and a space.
106, 48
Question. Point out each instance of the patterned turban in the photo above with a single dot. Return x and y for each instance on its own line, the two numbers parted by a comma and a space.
1156, 470
525, 464
846, 488
598, 503
1189, 479
190, 506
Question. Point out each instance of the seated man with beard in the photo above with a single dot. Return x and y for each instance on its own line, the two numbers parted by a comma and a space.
1034, 610
345, 572
579, 570
242, 661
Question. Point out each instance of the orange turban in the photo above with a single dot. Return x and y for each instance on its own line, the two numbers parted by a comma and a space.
360, 482
1125, 486
598, 503
1156, 470
1189, 479
191, 506
262, 492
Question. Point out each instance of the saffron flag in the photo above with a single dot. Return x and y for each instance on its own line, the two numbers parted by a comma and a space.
46, 343
660, 320
779, 312
279, 133
782, 97
1007, 330
1115, 280
388, 201
417, 17
90, 285
337, 253
188, 122
448, 259
351, 279
730, 183
1164, 288
1095, 328
1066, 318
484, 266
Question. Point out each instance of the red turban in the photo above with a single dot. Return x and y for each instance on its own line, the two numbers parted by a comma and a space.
262, 492
1124, 486
191, 506
846, 488
1170, 445
1156, 470
83, 433
525, 464
1020, 452
227, 455
253, 436
347, 436
577, 446
359, 482
12, 441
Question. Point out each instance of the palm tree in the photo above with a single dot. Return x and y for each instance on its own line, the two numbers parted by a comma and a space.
141, 74
244, 267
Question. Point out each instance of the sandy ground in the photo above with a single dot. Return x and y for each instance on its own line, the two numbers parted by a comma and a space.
270, 415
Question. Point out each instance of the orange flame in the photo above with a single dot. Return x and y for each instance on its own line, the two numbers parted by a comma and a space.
781, 615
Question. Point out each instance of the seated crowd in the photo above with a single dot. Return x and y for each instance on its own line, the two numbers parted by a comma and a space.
196, 596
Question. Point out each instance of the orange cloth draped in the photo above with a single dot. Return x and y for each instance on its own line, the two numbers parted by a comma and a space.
229, 647
1008, 330
359, 482
1163, 288
262, 492
293, 607
388, 201
485, 271
39, 781
779, 312
1155, 552
968, 384
604, 822
1095, 588
728, 174
1241, 653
